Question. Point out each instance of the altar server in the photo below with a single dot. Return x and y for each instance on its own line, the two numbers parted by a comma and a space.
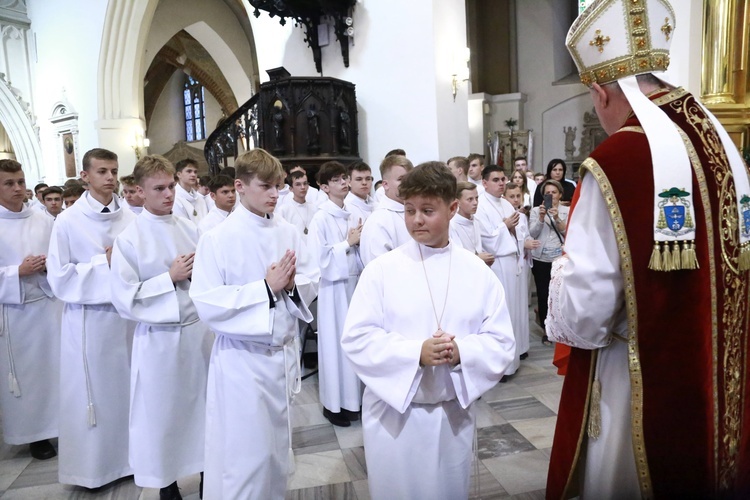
465, 230
152, 264
224, 196
297, 211
498, 220
428, 332
250, 287
385, 229
189, 203
359, 202
95, 343
334, 239
29, 321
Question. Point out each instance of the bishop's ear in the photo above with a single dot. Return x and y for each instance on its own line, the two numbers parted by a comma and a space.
599, 95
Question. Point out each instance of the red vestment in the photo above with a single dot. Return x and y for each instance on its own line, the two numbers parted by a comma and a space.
688, 330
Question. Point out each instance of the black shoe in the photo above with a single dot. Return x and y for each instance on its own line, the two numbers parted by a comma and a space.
351, 416
171, 492
42, 450
200, 487
504, 379
336, 418
524, 356
546, 340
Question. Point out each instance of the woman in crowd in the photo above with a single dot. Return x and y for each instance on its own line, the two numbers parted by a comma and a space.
547, 224
519, 178
556, 171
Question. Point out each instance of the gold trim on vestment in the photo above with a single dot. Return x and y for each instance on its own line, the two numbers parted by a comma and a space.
731, 361
634, 363
573, 474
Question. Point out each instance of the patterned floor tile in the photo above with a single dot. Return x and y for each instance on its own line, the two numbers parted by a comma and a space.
314, 439
319, 469
500, 440
521, 472
355, 462
338, 491
538, 431
522, 409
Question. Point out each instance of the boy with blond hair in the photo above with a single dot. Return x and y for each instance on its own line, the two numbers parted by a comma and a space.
465, 230
428, 332
152, 265
385, 228
250, 286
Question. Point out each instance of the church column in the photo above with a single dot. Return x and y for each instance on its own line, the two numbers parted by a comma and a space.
726, 33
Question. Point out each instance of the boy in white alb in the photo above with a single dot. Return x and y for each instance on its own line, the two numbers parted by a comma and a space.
188, 203
152, 263
334, 238
359, 202
30, 315
476, 165
498, 221
428, 333
464, 229
297, 211
204, 189
130, 194
514, 194
224, 196
385, 229
250, 287
96, 340
459, 167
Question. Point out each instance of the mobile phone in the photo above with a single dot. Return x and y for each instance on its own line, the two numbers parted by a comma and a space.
548, 201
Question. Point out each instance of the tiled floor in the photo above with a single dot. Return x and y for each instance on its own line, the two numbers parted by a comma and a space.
515, 424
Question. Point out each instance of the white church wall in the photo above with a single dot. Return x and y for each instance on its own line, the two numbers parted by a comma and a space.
67, 55
398, 63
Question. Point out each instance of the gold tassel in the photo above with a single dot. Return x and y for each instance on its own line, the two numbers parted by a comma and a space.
666, 259
693, 257
685, 255
655, 263
676, 262
745, 257
595, 410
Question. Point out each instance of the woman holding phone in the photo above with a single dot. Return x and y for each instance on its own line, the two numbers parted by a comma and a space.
547, 224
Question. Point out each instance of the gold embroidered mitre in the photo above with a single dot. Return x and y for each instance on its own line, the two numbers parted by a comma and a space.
613, 39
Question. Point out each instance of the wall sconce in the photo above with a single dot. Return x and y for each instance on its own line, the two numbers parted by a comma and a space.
139, 142
460, 70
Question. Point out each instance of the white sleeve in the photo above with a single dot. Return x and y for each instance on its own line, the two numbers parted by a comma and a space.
331, 256
152, 301
586, 298
375, 240
10, 285
232, 309
82, 283
386, 362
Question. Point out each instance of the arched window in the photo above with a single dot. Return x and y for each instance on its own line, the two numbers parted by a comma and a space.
195, 110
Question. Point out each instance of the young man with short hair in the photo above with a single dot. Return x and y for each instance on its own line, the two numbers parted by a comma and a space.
314, 196
71, 194
476, 165
53, 201
334, 240
130, 194
188, 203
30, 350
224, 196
385, 229
498, 221
538, 178
96, 340
380, 190
297, 210
250, 286
152, 264
459, 167
359, 202
428, 332
204, 189
36, 201
464, 228
520, 163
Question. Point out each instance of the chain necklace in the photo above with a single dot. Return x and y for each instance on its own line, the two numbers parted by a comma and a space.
304, 222
438, 320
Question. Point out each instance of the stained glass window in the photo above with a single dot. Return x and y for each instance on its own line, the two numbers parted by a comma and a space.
195, 109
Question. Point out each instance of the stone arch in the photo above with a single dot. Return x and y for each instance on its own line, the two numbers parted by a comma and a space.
20, 130
122, 64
